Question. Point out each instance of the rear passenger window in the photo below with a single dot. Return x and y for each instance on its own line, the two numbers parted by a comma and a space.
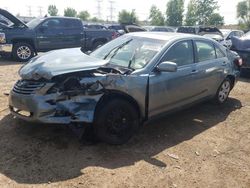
181, 53
72, 23
219, 53
205, 51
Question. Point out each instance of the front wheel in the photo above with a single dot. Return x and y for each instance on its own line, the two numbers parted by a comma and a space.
22, 52
223, 91
116, 122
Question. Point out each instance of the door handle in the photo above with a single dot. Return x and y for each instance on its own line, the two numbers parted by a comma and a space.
61, 33
194, 72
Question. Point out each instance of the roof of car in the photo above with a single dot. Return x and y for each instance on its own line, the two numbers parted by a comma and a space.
61, 17
165, 35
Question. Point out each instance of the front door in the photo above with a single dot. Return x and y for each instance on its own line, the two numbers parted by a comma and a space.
50, 34
169, 90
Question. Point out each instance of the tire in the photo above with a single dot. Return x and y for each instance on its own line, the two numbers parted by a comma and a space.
116, 122
223, 92
97, 44
22, 52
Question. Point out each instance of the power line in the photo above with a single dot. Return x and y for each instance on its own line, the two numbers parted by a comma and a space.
99, 13
29, 11
111, 9
40, 11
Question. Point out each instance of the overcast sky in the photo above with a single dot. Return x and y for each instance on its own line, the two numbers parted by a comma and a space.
227, 7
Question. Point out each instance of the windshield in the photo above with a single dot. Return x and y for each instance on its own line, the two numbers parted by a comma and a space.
129, 51
33, 23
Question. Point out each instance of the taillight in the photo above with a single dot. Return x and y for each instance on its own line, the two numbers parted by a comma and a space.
238, 62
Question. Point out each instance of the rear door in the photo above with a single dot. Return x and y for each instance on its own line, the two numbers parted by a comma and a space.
168, 90
73, 33
210, 66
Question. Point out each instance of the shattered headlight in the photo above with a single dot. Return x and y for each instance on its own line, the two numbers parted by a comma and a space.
2, 38
73, 86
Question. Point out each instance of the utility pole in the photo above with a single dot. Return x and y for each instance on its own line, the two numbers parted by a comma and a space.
99, 13
111, 10
29, 11
40, 11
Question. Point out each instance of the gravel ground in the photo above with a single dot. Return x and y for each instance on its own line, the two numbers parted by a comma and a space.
204, 146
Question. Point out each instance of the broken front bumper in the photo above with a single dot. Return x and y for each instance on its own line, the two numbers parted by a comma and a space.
50, 109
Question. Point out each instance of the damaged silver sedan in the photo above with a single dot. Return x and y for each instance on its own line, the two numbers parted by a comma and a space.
129, 80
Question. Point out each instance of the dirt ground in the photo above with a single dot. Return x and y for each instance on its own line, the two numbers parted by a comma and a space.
204, 146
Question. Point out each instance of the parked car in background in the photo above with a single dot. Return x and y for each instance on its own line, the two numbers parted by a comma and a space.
23, 41
127, 81
94, 26
116, 27
198, 30
126, 28
242, 47
228, 34
209, 32
159, 28
215, 36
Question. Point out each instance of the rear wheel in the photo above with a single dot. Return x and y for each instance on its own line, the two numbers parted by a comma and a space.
116, 122
223, 91
22, 51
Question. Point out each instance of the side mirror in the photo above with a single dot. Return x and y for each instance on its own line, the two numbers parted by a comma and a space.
167, 66
229, 38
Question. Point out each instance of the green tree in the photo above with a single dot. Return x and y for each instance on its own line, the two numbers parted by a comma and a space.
70, 12
174, 12
243, 13
204, 9
94, 19
156, 17
84, 15
216, 19
127, 17
52, 10
191, 18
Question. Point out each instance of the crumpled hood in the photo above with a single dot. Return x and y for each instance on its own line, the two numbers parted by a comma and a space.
59, 62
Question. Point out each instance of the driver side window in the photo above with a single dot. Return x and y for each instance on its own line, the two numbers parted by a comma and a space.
180, 53
53, 23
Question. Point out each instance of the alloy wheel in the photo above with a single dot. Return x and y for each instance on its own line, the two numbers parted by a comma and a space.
23, 52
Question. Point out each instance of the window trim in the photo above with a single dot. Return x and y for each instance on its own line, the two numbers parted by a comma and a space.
173, 44
216, 46
196, 49
60, 19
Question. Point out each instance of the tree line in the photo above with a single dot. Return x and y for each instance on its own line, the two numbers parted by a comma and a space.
243, 13
199, 12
